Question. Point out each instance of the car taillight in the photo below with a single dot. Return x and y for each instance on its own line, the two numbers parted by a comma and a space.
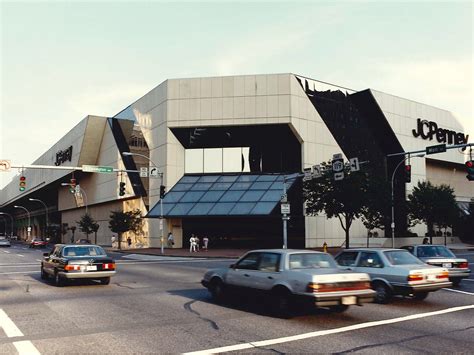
72, 267
108, 266
463, 265
338, 286
443, 275
415, 277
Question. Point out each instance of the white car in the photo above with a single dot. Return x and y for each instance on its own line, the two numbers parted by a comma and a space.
4, 242
290, 276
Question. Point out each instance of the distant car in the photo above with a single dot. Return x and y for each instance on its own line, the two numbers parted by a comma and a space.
73, 261
439, 255
4, 242
83, 241
394, 272
289, 276
38, 243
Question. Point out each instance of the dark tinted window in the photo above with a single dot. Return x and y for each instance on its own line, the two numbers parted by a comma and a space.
249, 262
433, 251
369, 259
347, 258
83, 251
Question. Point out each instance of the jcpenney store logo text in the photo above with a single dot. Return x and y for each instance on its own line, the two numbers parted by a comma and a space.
429, 129
63, 155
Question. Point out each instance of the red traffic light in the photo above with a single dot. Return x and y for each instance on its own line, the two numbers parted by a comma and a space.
470, 164
22, 178
22, 184
407, 167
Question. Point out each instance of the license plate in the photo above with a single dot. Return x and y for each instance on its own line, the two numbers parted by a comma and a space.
92, 268
349, 300
447, 265
431, 278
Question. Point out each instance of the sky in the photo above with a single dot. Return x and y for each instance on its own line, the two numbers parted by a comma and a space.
63, 60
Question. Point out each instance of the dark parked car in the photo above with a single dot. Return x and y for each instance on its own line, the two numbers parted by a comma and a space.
439, 255
394, 272
287, 277
73, 261
38, 243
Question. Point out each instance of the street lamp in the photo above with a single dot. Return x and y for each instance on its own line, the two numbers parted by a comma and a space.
80, 189
28, 230
11, 217
161, 199
393, 200
45, 211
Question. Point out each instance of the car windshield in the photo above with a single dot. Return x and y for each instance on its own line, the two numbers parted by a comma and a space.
402, 257
84, 251
429, 251
311, 261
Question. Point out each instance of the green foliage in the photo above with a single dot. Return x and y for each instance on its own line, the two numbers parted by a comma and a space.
432, 205
343, 199
86, 225
121, 222
376, 212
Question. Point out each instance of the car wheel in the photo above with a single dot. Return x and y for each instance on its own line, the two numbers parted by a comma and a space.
58, 280
281, 302
105, 280
383, 293
339, 308
420, 296
217, 290
44, 275
456, 282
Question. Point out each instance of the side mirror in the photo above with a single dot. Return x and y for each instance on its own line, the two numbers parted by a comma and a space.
45, 254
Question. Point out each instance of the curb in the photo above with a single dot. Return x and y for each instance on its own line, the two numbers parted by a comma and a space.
176, 256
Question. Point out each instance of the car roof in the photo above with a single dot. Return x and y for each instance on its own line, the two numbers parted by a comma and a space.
77, 245
425, 245
373, 249
284, 251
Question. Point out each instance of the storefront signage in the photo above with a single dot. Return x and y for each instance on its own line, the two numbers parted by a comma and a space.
63, 155
429, 129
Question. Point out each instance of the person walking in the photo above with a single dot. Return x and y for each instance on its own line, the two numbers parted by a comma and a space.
129, 242
205, 242
197, 241
192, 244
170, 240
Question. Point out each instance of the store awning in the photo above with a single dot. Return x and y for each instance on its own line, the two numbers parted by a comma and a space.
223, 195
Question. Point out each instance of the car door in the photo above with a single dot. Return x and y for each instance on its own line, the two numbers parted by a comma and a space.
243, 273
371, 263
268, 271
48, 262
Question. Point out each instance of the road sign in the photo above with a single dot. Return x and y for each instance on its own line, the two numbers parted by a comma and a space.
337, 163
28, 229
285, 208
354, 163
317, 171
433, 149
307, 174
284, 198
5, 165
144, 171
154, 172
339, 176
97, 169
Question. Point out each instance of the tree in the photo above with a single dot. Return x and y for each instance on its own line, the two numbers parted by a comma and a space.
121, 222
86, 225
343, 199
376, 212
432, 205
95, 228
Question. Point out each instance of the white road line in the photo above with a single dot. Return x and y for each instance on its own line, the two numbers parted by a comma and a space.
6, 251
21, 255
470, 280
18, 264
319, 333
26, 347
19, 272
459, 291
10, 329
38, 260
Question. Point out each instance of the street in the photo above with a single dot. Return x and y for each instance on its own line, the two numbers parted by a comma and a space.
156, 304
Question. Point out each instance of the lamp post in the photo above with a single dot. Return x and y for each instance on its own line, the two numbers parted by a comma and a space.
11, 217
45, 211
393, 200
28, 230
161, 199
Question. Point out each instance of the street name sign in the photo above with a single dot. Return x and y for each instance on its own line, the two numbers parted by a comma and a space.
433, 149
144, 171
97, 169
285, 208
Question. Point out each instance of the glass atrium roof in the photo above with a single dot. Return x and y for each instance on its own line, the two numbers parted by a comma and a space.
223, 195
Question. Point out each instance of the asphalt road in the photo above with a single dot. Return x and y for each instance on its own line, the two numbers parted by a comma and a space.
157, 305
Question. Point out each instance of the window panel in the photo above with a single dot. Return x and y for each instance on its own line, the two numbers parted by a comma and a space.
192, 196
181, 209
278, 185
252, 196
231, 196
247, 178
212, 196
245, 154
209, 178
189, 179
173, 196
200, 209
263, 208
232, 160
213, 160
202, 186
222, 208
241, 186
261, 185
182, 187
272, 195
193, 161
227, 178
221, 186
267, 178
242, 208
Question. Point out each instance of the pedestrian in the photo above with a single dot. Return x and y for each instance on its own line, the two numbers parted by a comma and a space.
192, 244
129, 242
426, 240
113, 240
170, 240
196, 239
205, 242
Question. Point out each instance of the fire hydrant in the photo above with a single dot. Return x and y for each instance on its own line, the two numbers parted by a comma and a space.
325, 247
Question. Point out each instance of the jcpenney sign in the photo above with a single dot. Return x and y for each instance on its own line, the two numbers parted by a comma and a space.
429, 129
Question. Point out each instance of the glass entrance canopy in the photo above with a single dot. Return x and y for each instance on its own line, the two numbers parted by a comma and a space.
224, 195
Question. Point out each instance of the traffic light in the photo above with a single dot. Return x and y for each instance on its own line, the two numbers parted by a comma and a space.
470, 170
408, 173
22, 185
162, 191
72, 186
122, 189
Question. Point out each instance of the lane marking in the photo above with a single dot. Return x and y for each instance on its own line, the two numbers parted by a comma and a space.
20, 255
470, 280
38, 260
19, 272
26, 347
6, 251
319, 333
10, 329
18, 264
459, 291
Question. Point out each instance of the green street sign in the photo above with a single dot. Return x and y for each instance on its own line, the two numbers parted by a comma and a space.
97, 169
433, 149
